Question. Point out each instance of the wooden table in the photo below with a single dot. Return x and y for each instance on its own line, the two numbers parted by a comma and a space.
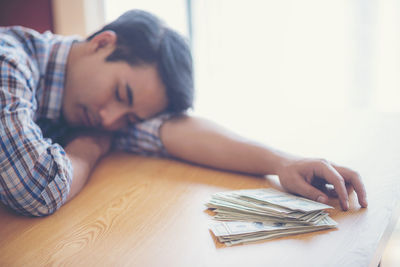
138, 211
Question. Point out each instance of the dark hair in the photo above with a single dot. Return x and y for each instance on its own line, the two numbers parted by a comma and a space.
142, 38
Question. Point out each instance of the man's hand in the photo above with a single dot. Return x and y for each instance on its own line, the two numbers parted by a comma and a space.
100, 141
84, 151
314, 178
203, 142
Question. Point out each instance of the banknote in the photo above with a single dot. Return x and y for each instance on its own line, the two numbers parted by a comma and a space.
235, 232
249, 215
283, 199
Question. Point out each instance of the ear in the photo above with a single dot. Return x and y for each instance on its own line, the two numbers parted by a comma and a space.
106, 39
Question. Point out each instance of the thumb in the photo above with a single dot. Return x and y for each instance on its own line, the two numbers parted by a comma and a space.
312, 193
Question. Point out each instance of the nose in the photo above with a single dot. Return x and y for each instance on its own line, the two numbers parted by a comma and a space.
112, 117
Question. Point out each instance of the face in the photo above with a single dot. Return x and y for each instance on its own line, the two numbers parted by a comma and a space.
108, 95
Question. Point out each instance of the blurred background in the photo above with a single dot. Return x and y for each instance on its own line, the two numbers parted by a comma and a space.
257, 57
258, 60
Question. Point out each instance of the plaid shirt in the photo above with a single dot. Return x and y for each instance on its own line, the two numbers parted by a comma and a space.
35, 172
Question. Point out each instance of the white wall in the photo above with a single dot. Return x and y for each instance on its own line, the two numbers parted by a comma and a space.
264, 56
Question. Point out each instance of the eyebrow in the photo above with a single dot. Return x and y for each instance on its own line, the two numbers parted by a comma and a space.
129, 93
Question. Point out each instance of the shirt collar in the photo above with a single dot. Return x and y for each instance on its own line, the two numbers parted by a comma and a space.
53, 80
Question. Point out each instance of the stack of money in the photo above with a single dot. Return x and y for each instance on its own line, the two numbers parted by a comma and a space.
258, 214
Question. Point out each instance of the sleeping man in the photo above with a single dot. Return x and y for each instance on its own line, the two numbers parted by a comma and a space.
65, 103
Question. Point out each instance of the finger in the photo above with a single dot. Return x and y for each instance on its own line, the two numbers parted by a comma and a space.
322, 185
319, 183
354, 179
325, 170
309, 191
349, 188
330, 190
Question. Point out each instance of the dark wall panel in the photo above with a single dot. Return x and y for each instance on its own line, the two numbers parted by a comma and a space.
35, 14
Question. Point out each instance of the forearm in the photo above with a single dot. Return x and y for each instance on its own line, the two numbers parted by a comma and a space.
203, 142
83, 152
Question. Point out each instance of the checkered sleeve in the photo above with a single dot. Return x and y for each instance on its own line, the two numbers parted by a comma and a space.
142, 138
35, 175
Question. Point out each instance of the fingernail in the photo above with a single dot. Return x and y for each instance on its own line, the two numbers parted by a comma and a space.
321, 199
346, 206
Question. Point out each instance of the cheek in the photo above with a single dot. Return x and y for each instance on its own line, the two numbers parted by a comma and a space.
117, 125
103, 97
98, 94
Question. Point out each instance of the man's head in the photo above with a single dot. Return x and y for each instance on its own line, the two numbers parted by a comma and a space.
131, 69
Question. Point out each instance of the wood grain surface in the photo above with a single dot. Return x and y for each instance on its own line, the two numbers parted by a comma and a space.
138, 211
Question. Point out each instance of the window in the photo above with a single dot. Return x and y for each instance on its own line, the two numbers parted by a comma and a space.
288, 55
260, 56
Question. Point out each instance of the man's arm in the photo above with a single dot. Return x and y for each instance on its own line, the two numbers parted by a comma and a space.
202, 142
35, 174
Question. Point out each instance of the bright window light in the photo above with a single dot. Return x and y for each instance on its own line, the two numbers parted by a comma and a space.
259, 57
